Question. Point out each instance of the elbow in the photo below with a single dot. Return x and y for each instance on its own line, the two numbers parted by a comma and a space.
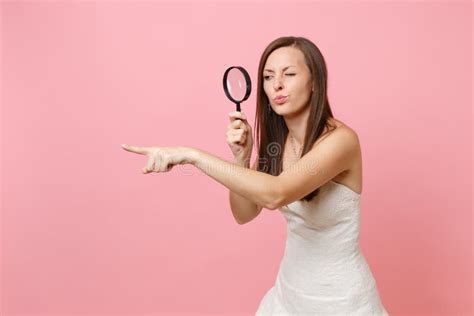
275, 200
239, 222
242, 222
274, 205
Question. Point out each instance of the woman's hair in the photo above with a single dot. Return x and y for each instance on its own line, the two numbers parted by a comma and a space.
271, 130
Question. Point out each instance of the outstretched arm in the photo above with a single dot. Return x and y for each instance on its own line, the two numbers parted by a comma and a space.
258, 187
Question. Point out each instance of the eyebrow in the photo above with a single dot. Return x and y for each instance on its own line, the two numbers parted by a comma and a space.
269, 70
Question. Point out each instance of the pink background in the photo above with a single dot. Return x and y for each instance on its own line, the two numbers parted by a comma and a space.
84, 232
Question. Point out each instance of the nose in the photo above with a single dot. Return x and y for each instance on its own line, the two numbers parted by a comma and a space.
277, 83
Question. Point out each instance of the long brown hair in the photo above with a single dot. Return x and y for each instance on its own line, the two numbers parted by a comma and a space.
271, 129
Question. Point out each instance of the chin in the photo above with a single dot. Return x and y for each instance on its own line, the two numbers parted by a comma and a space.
281, 108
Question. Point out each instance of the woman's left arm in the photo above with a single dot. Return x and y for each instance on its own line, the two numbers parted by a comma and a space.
257, 186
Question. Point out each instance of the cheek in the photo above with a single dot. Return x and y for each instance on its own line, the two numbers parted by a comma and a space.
302, 92
304, 88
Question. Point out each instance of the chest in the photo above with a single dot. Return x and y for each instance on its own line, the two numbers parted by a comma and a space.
288, 157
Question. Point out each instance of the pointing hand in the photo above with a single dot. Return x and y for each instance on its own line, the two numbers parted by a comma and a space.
160, 159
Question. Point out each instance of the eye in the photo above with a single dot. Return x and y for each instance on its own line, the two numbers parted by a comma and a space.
268, 77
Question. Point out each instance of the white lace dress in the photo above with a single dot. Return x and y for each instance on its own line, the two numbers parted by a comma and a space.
323, 271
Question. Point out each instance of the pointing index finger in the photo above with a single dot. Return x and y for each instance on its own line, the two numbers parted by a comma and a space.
135, 149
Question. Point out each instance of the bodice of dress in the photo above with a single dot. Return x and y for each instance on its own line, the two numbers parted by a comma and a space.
322, 266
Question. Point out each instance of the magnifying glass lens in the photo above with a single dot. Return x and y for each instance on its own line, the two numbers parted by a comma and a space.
236, 84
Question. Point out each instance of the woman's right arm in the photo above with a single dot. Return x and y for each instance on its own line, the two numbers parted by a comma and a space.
239, 138
243, 210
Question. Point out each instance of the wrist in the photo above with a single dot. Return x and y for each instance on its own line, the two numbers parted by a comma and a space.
192, 155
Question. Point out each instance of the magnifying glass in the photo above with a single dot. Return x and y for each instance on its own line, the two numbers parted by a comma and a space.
237, 84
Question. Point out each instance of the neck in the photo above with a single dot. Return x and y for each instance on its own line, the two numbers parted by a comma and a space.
297, 125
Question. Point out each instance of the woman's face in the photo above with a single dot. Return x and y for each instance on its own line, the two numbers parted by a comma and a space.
286, 74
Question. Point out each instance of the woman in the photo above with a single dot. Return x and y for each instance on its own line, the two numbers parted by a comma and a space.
309, 167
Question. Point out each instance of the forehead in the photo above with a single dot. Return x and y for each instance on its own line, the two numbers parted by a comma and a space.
284, 56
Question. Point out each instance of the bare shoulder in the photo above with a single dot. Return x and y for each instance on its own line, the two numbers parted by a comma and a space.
347, 136
349, 133
339, 133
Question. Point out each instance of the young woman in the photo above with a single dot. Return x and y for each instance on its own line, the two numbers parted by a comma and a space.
309, 166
